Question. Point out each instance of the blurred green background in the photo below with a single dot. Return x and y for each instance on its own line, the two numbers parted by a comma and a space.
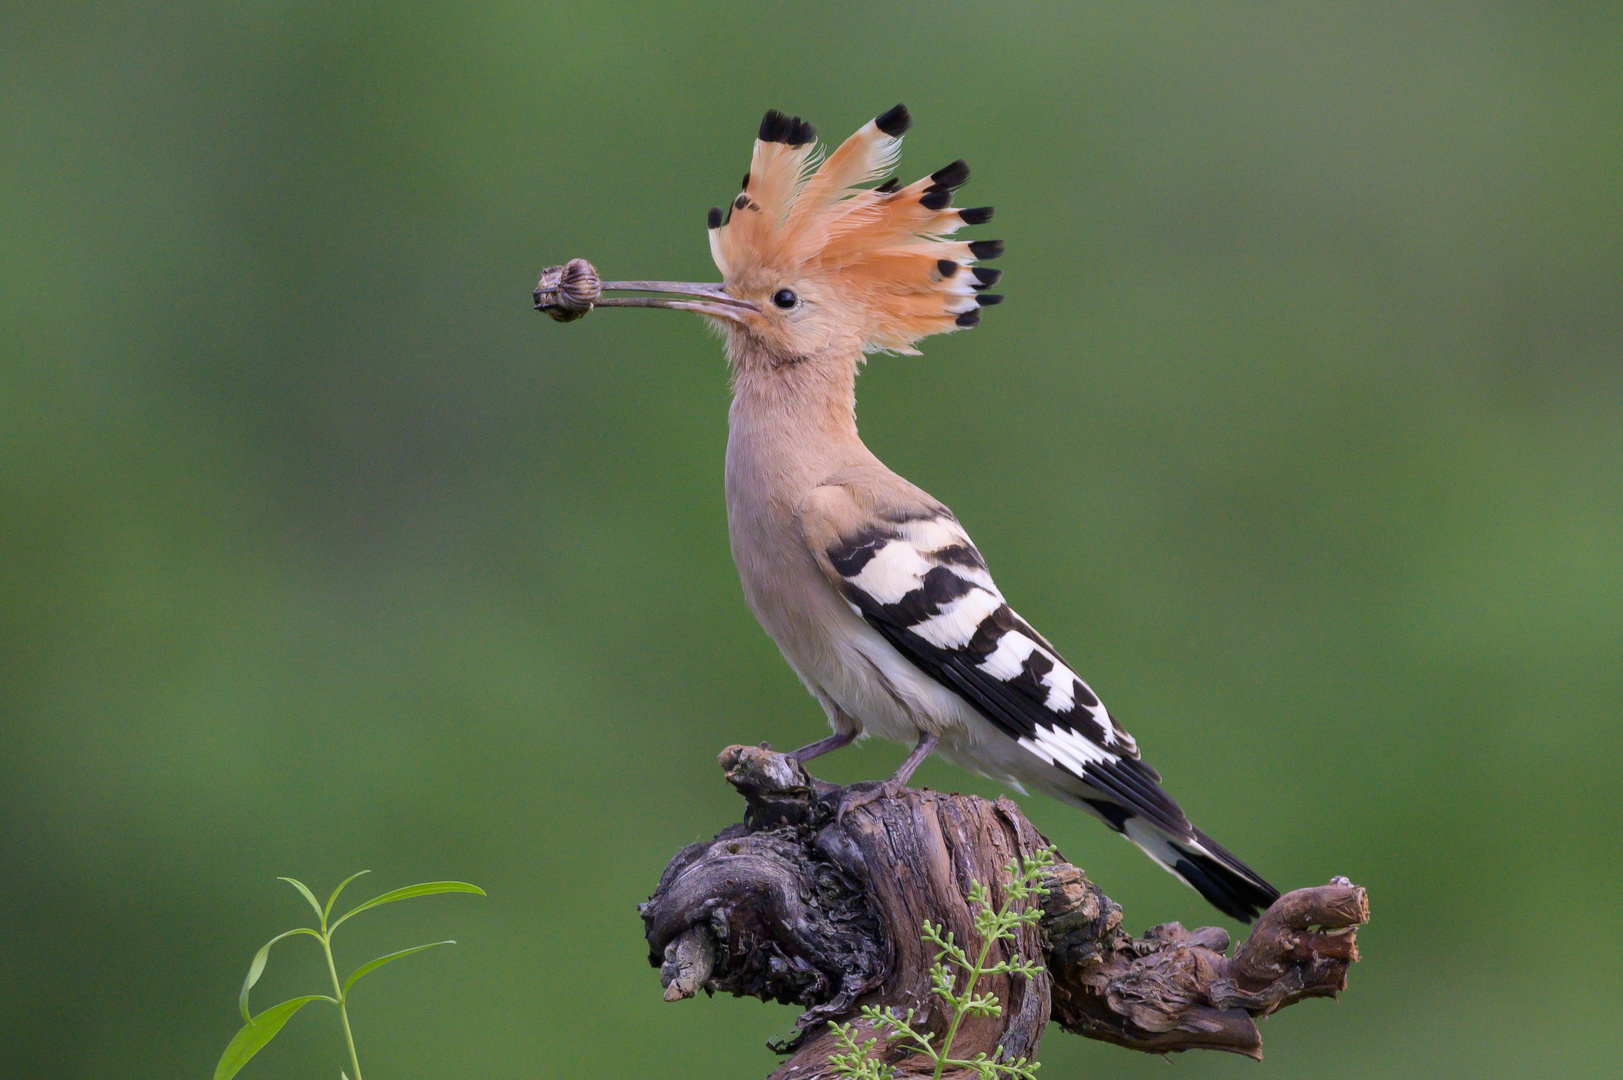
1301, 434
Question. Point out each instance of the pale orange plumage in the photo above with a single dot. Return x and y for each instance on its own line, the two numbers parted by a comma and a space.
881, 257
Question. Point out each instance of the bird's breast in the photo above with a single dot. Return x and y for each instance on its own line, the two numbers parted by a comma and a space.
792, 599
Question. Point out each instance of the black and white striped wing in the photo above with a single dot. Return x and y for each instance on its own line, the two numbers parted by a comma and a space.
919, 581
923, 585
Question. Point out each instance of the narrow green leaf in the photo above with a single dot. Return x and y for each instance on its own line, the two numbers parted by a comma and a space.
333, 899
427, 888
372, 965
256, 1033
305, 889
257, 968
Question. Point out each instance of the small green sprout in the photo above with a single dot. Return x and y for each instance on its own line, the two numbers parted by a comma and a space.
855, 1060
259, 1030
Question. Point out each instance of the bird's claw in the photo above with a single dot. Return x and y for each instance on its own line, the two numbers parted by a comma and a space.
852, 800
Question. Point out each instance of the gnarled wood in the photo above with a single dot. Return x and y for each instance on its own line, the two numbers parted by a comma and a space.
807, 905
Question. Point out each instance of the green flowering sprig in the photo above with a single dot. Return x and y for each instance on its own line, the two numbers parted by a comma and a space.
856, 1061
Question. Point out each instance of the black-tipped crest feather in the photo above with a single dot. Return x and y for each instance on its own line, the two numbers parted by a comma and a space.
894, 122
790, 130
951, 176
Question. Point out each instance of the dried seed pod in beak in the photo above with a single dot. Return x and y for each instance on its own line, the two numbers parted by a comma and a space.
569, 291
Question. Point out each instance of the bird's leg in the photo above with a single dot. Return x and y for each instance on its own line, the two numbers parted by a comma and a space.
898, 780
823, 746
926, 746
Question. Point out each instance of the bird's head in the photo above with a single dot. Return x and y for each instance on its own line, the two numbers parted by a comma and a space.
817, 257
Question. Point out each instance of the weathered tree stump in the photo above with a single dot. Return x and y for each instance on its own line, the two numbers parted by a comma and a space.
806, 905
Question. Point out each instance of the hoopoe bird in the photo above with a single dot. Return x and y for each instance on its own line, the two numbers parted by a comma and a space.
872, 590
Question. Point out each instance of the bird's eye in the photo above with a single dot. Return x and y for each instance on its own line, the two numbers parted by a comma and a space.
785, 299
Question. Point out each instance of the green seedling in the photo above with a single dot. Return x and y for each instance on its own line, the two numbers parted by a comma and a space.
259, 1030
856, 1061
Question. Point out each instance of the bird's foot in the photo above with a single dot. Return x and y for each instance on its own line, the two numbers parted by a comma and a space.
856, 798
892, 787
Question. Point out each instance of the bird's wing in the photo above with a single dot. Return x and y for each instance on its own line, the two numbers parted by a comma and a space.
914, 575
910, 571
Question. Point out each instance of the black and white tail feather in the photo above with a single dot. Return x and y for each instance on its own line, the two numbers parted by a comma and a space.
919, 581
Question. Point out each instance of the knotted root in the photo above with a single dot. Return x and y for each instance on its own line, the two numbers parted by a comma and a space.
799, 906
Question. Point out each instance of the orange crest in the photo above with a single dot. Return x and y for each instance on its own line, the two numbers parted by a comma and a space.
883, 253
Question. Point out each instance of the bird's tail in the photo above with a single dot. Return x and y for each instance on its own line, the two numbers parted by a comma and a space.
1228, 884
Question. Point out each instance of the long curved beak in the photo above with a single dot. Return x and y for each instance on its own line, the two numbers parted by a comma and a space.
703, 297
569, 291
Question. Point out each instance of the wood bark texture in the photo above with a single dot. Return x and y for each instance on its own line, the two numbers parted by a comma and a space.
817, 899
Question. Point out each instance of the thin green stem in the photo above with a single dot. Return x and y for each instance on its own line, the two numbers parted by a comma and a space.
958, 1013
343, 1013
